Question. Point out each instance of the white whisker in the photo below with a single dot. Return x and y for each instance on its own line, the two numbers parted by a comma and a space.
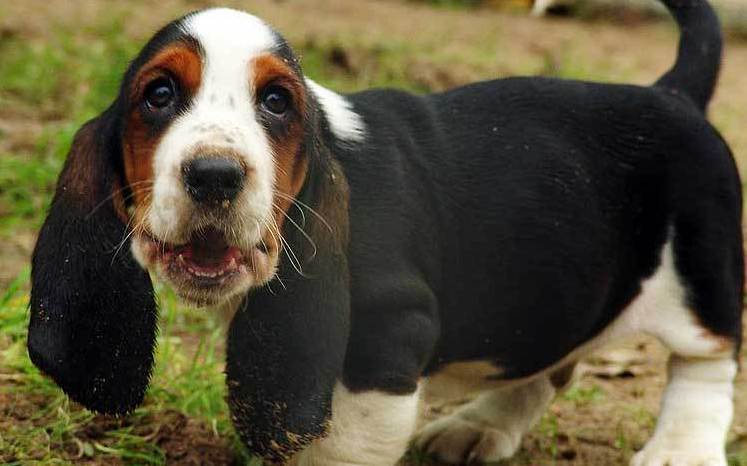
306, 235
306, 206
110, 196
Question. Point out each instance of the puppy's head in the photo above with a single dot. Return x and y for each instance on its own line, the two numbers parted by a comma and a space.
213, 152
189, 173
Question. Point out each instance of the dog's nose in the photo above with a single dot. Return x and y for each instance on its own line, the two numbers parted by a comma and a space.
213, 179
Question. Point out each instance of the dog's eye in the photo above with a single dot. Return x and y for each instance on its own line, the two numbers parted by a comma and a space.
276, 100
160, 93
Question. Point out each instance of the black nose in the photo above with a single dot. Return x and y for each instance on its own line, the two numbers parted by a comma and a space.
213, 179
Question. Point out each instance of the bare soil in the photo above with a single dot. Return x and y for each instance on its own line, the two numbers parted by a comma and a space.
182, 440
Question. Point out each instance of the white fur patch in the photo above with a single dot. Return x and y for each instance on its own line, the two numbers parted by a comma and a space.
345, 124
696, 412
540, 7
367, 429
222, 116
659, 310
234, 34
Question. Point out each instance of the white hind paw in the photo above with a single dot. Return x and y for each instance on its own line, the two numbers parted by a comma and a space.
653, 456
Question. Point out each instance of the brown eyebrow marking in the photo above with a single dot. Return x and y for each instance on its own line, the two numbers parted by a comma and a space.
182, 62
269, 68
291, 165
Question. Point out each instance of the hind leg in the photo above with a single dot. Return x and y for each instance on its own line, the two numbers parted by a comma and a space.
696, 412
696, 408
490, 427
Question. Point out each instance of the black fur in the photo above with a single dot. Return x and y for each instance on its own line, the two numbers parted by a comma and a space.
699, 58
513, 220
522, 239
93, 313
284, 359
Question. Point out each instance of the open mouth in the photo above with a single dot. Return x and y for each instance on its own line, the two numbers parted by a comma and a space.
207, 260
209, 268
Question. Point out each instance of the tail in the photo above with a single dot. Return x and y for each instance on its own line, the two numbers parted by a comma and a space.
695, 71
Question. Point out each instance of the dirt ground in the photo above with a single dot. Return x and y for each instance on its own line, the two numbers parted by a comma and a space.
611, 411
184, 441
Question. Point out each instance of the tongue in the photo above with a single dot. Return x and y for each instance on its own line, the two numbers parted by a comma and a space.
209, 249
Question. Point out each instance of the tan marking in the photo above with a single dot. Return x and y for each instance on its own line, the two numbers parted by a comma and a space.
459, 380
721, 343
290, 164
183, 64
563, 377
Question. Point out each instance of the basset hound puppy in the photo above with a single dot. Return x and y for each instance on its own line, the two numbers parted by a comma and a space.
369, 243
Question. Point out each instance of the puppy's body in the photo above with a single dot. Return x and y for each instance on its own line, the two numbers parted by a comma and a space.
552, 210
518, 223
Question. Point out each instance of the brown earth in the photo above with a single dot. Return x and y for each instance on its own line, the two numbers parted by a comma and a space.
182, 440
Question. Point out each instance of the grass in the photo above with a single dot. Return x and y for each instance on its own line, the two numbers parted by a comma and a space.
187, 381
582, 396
64, 84
548, 427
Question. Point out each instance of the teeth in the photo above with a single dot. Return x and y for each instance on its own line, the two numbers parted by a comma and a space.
232, 266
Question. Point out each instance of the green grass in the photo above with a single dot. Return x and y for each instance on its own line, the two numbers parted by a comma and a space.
582, 396
188, 381
548, 427
62, 83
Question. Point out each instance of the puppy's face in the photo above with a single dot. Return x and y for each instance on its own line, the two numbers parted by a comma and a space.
213, 154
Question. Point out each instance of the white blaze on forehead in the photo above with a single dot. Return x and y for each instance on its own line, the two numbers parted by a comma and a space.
230, 39
221, 115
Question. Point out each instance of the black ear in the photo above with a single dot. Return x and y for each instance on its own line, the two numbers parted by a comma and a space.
286, 345
93, 313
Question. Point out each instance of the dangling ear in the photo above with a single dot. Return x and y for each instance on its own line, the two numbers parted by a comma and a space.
93, 313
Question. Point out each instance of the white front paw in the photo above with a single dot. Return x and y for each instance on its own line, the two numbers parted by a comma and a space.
455, 440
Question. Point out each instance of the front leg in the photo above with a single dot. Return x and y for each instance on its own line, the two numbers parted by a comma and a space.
370, 428
375, 407
285, 354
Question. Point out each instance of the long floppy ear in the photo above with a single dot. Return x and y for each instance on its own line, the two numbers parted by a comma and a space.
286, 345
93, 313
